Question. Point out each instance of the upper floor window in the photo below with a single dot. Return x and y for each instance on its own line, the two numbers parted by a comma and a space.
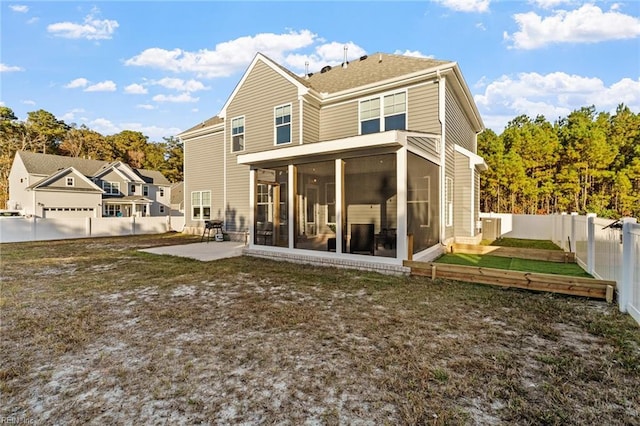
145, 190
201, 205
133, 189
393, 106
237, 134
283, 124
370, 116
70, 181
161, 191
111, 188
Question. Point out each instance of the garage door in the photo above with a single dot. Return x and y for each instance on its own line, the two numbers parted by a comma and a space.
66, 212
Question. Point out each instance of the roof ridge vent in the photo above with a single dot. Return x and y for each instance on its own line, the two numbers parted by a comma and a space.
363, 57
325, 69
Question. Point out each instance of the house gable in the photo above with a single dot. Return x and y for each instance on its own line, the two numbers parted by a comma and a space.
68, 179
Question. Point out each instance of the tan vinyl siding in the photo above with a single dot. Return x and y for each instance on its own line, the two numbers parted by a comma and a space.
462, 197
237, 208
339, 121
311, 123
423, 109
459, 130
203, 171
262, 91
425, 143
79, 183
476, 205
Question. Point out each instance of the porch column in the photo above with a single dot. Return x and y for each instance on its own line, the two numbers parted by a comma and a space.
252, 206
291, 205
401, 179
339, 197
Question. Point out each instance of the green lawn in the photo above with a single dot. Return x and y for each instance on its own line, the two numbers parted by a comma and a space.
488, 261
522, 243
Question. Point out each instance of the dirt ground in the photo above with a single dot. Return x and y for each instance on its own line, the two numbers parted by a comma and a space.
96, 332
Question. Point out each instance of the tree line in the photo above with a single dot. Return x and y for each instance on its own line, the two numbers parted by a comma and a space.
587, 162
43, 132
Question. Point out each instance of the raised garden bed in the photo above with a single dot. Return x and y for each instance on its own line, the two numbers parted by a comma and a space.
516, 252
571, 285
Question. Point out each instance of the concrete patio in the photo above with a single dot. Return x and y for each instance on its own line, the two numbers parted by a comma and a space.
205, 251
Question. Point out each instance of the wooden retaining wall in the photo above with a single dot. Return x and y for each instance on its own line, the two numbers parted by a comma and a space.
521, 253
575, 286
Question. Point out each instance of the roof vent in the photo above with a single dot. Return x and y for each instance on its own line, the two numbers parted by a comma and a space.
325, 69
363, 57
310, 74
345, 62
306, 69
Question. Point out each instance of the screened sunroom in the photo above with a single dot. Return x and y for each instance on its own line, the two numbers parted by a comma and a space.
381, 202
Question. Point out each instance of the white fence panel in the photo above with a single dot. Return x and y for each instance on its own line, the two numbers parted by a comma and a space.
40, 229
607, 251
630, 287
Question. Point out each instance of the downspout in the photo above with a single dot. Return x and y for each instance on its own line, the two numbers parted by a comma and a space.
443, 149
300, 130
224, 176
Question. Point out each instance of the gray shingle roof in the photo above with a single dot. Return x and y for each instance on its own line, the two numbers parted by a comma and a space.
48, 164
372, 69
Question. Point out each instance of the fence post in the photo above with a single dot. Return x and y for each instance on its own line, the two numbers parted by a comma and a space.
591, 242
572, 237
563, 242
624, 293
133, 225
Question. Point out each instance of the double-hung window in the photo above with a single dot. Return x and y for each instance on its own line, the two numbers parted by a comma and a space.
448, 191
393, 108
70, 181
283, 124
370, 116
111, 188
201, 205
145, 190
237, 134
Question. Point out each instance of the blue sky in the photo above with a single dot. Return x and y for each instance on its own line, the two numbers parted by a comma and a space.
162, 67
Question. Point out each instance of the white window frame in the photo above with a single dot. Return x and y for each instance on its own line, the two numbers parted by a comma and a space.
199, 203
413, 197
70, 181
382, 113
448, 194
161, 209
161, 191
145, 190
276, 125
243, 133
108, 187
329, 202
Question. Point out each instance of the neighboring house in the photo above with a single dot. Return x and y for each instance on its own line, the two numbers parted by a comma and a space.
378, 153
177, 199
54, 186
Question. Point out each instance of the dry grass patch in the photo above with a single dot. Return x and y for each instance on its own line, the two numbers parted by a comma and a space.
95, 331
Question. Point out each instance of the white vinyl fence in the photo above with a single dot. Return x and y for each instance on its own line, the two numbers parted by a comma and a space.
19, 229
606, 249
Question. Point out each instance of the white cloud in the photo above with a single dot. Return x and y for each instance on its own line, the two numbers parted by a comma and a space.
20, 8
145, 106
28, 102
414, 53
325, 54
183, 97
588, 24
181, 85
78, 82
71, 115
466, 5
136, 89
227, 58
103, 86
9, 68
549, 4
552, 95
155, 133
33, 20
91, 29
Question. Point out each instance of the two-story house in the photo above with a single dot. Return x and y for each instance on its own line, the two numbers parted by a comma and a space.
378, 153
54, 186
